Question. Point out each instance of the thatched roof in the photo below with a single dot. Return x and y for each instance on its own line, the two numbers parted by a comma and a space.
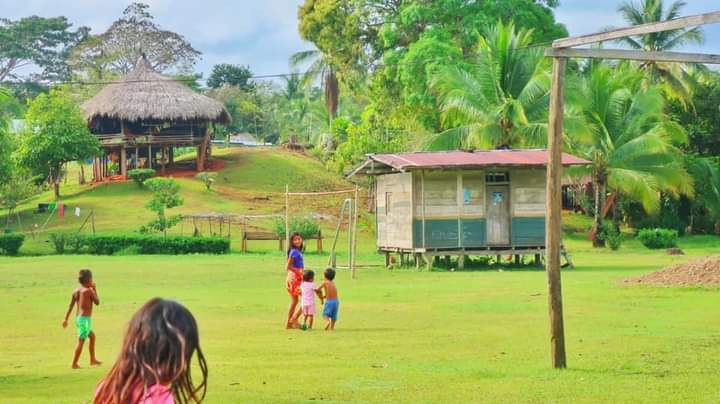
145, 94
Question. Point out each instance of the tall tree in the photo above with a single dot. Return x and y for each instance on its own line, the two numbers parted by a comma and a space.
55, 134
673, 77
36, 41
321, 68
634, 148
6, 140
499, 99
134, 34
231, 75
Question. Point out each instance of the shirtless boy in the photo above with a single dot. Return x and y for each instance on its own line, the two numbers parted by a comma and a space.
330, 311
85, 297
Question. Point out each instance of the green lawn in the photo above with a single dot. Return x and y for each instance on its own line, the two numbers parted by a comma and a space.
403, 335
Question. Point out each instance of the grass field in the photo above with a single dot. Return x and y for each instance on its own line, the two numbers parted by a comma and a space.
403, 335
470, 336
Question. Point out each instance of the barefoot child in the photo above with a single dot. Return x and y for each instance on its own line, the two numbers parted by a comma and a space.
309, 290
294, 267
330, 311
154, 362
85, 297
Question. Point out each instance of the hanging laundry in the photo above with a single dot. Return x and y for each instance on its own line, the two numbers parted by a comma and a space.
61, 210
77, 212
51, 206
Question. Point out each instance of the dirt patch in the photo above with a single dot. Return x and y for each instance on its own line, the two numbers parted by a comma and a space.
182, 172
701, 272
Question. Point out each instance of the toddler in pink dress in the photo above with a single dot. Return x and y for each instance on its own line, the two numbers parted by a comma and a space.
308, 290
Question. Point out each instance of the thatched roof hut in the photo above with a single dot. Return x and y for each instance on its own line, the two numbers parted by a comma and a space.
141, 118
144, 94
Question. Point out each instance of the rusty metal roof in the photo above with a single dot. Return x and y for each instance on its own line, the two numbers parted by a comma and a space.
463, 159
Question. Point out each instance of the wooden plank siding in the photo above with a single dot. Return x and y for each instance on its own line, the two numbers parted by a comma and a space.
454, 209
394, 210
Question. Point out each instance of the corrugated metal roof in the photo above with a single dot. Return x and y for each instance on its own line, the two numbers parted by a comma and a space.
478, 158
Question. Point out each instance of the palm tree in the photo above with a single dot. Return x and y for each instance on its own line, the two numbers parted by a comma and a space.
673, 77
321, 68
499, 100
633, 147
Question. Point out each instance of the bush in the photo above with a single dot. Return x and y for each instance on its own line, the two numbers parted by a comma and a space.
10, 243
658, 238
59, 241
611, 236
76, 243
139, 175
306, 227
148, 244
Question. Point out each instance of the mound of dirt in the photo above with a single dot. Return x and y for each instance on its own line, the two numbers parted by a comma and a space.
703, 271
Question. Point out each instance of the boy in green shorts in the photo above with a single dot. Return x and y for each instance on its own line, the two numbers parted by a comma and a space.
85, 296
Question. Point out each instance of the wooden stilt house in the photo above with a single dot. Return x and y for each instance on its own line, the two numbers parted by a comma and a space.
461, 203
144, 116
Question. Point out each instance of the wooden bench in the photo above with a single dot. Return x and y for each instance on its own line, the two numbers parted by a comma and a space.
266, 235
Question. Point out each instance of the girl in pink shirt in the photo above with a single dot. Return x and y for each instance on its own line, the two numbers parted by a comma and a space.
154, 364
308, 290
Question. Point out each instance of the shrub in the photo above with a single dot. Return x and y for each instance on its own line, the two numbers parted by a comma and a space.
139, 175
306, 227
148, 244
59, 241
165, 195
610, 235
76, 243
658, 238
207, 178
10, 243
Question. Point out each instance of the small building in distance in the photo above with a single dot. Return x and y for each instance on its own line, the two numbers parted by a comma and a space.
461, 202
141, 118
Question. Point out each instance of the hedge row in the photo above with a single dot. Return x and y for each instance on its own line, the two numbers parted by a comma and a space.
145, 244
10, 243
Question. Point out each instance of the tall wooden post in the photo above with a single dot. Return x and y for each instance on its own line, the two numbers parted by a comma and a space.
354, 231
149, 160
287, 216
123, 161
553, 230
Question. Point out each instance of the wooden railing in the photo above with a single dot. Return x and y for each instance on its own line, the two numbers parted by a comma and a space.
120, 139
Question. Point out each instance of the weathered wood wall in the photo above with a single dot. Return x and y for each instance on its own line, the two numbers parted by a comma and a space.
394, 210
453, 206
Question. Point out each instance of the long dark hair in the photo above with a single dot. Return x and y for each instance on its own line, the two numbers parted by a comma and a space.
290, 243
158, 347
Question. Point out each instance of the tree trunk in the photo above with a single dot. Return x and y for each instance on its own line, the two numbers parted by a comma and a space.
82, 173
56, 188
597, 222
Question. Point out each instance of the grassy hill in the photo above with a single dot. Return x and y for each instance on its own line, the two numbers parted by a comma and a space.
251, 182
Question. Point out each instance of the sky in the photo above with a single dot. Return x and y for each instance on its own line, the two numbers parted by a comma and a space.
263, 34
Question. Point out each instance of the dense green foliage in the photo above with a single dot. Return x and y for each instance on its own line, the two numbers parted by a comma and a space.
674, 78
55, 133
226, 74
499, 100
148, 244
42, 42
632, 144
658, 238
140, 175
10, 243
305, 226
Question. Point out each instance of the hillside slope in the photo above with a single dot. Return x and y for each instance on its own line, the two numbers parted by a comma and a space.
251, 182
